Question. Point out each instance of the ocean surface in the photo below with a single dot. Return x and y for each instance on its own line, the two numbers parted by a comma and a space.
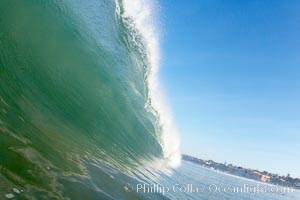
82, 115
191, 181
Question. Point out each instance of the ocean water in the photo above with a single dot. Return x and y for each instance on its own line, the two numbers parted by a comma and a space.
81, 112
191, 181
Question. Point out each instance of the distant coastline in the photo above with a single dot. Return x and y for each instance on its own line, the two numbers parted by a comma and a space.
266, 177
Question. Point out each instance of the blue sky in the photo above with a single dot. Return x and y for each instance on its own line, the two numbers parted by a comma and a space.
231, 70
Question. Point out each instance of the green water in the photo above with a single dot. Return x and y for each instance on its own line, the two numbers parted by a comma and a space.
72, 89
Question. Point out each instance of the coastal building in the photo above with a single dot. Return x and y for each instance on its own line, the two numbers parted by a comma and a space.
256, 175
265, 178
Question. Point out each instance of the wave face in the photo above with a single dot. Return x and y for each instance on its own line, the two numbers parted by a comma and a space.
81, 112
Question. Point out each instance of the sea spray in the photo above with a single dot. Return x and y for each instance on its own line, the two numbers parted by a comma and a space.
140, 15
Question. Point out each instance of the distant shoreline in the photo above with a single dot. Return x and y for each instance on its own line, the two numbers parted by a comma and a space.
250, 174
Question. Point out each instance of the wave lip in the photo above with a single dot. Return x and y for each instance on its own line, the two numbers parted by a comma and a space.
143, 19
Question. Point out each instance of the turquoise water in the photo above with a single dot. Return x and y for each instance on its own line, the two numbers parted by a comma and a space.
81, 116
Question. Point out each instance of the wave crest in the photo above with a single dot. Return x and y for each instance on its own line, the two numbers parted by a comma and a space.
140, 15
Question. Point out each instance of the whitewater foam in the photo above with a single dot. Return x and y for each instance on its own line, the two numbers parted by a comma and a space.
144, 21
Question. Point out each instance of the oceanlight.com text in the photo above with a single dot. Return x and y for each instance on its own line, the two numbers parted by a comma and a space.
212, 188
